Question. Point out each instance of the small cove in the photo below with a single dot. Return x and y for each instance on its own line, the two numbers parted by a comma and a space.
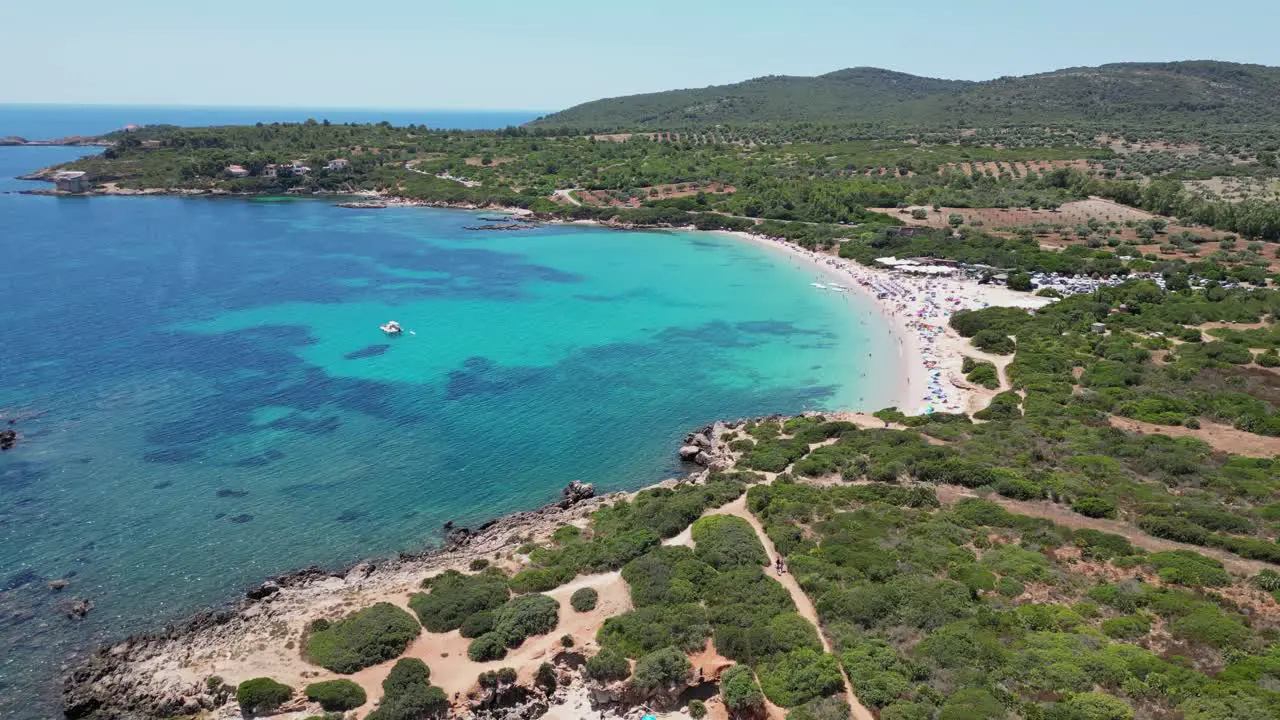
205, 398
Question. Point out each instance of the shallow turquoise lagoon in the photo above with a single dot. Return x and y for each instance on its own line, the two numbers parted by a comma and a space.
206, 399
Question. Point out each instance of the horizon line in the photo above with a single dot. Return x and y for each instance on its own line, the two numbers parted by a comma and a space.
32, 103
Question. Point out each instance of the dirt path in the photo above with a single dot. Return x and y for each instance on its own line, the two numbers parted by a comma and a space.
804, 606
1220, 437
567, 196
950, 494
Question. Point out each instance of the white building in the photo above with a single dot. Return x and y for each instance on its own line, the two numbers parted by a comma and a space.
71, 181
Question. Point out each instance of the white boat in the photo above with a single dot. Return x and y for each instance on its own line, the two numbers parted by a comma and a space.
392, 328
820, 286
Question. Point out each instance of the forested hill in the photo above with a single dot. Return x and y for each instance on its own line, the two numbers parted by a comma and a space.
1201, 92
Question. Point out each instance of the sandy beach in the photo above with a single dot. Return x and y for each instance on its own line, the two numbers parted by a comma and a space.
917, 310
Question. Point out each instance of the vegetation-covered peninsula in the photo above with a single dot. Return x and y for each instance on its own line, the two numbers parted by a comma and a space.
1097, 541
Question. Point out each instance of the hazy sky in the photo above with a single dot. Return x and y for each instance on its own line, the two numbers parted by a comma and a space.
544, 55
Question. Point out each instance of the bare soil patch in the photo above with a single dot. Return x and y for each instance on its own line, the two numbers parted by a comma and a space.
615, 198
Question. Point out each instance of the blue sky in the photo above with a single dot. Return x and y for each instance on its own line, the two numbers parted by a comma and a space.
542, 55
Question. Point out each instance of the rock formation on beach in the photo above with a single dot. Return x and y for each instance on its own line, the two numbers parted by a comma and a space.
704, 447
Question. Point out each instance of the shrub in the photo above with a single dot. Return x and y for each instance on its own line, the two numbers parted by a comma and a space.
1092, 706
1267, 580
984, 374
407, 694
993, 341
584, 599
524, 616
725, 542
1019, 281
478, 564
406, 674
608, 665
697, 709
488, 647
1094, 506
739, 690
1186, 567
262, 695
667, 575
972, 704
645, 629
477, 624
337, 695
828, 708
546, 678
665, 668
906, 711
1127, 627
566, 640
800, 676
454, 597
1211, 627
373, 635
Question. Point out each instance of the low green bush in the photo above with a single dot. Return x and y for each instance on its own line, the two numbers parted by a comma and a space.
1094, 506
525, 616
800, 676
262, 695
993, 341
337, 695
727, 541
407, 694
584, 599
477, 624
664, 668
697, 709
373, 635
646, 629
488, 647
739, 690
1127, 627
608, 665
1186, 567
828, 708
454, 597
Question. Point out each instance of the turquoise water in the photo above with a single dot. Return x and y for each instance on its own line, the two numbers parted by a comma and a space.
206, 398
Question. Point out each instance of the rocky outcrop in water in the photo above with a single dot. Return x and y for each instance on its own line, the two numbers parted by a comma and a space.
574, 493
705, 447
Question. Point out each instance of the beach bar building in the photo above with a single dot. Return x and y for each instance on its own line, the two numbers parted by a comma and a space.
71, 181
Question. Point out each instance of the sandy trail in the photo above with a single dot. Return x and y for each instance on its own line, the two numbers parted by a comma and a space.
950, 494
455, 673
804, 606
1220, 437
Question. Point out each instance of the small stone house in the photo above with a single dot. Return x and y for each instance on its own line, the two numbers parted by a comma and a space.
71, 181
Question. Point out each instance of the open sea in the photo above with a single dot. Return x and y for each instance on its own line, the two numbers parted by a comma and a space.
205, 399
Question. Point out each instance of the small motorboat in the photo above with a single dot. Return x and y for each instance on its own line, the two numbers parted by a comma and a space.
392, 328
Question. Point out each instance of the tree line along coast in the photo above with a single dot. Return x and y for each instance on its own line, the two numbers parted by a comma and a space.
1097, 540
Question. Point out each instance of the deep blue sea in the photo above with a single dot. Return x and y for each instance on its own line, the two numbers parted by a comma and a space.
205, 398
44, 122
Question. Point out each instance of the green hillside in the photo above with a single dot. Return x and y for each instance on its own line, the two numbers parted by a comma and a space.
1203, 92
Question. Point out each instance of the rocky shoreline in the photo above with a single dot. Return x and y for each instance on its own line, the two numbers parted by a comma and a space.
70, 141
148, 675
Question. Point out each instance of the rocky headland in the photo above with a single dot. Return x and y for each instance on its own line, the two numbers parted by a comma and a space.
176, 671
